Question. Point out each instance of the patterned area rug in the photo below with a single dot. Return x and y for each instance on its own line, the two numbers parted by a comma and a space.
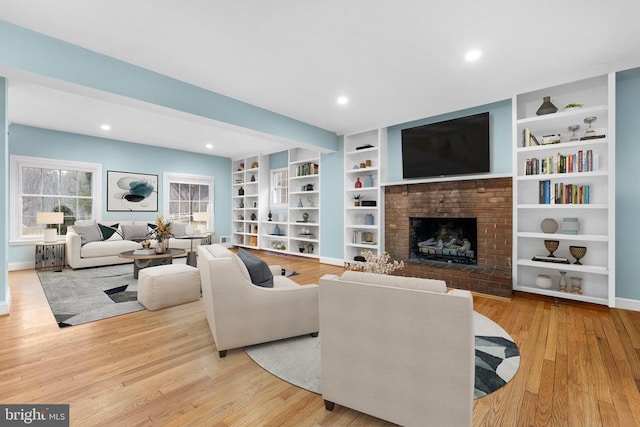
86, 295
297, 360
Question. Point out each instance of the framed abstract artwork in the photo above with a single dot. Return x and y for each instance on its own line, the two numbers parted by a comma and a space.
132, 192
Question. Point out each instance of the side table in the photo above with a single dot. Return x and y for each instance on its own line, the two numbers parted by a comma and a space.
50, 256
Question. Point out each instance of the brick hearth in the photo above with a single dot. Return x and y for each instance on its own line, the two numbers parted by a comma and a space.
488, 200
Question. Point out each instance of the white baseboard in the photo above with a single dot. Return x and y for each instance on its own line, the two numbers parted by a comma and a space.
628, 304
4, 305
332, 261
24, 265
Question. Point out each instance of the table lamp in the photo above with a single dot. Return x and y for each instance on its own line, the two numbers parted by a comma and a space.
50, 234
200, 217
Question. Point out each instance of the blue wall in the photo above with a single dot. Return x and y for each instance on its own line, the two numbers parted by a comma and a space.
627, 192
332, 204
279, 160
123, 156
500, 136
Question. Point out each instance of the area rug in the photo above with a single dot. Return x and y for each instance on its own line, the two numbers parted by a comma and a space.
86, 295
297, 360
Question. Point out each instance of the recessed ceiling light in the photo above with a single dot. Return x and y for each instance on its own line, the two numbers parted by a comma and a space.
105, 127
473, 55
209, 146
342, 100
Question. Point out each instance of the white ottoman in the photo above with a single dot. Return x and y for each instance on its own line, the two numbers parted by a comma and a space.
168, 285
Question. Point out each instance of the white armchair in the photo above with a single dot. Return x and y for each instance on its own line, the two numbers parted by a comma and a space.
240, 313
398, 348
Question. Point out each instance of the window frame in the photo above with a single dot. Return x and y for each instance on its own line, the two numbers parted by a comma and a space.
17, 163
272, 188
183, 178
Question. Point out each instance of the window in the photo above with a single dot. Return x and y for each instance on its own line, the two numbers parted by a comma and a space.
45, 185
279, 187
186, 195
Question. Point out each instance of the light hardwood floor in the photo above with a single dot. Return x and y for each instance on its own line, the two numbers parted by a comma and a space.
580, 366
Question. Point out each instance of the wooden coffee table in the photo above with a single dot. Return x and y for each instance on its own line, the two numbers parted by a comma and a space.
144, 261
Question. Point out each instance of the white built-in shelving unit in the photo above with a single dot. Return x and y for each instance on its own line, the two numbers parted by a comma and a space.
249, 199
299, 223
596, 218
363, 163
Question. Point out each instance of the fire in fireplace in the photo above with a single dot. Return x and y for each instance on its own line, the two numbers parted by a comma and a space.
451, 240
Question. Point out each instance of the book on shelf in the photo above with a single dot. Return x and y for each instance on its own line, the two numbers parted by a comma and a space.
571, 163
528, 138
554, 259
563, 194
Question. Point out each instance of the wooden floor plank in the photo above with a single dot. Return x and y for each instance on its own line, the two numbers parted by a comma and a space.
579, 366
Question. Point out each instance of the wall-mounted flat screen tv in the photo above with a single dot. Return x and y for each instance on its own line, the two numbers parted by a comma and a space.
453, 147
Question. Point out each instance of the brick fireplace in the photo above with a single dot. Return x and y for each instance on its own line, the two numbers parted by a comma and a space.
489, 201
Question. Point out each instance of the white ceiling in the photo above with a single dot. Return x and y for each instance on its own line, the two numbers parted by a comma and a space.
396, 61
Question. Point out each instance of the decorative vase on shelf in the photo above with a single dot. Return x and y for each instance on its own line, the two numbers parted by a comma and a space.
276, 230
563, 282
160, 247
368, 181
270, 216
253, 178
300, 205
358, 183
576, 285
547, 107
368, 219
241, 192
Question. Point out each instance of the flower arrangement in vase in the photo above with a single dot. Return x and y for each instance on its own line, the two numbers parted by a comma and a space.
161, 233
357, 198
379, 264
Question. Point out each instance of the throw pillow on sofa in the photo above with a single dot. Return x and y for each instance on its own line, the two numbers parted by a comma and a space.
88, 233
258, 269
134, 232
110, 232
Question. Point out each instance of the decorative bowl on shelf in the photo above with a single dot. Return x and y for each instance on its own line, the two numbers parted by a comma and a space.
552, 246
543, 281
578, 252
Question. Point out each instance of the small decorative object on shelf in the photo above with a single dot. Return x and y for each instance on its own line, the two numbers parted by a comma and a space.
367, 163
547, 107
358, 184
270, 215
590, 133
276, 230
543, 281
552, 246
357, 198
253, 217
578, 252
309, 187
570, 225
549, 225
576, 285
572, 106
574, 128
253, 178
300, 205
553, 138
305, 217
363, 165
241, 191
368, 219
368, 181
241, 204
563, 282
254, 165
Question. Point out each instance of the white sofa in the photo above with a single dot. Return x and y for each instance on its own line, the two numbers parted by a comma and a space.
240, 313
105, 252
398, 348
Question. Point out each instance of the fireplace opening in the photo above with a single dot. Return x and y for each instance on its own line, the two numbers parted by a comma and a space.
450, 240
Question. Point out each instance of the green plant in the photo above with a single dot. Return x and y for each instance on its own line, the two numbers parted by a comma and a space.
573, 105
358, 197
